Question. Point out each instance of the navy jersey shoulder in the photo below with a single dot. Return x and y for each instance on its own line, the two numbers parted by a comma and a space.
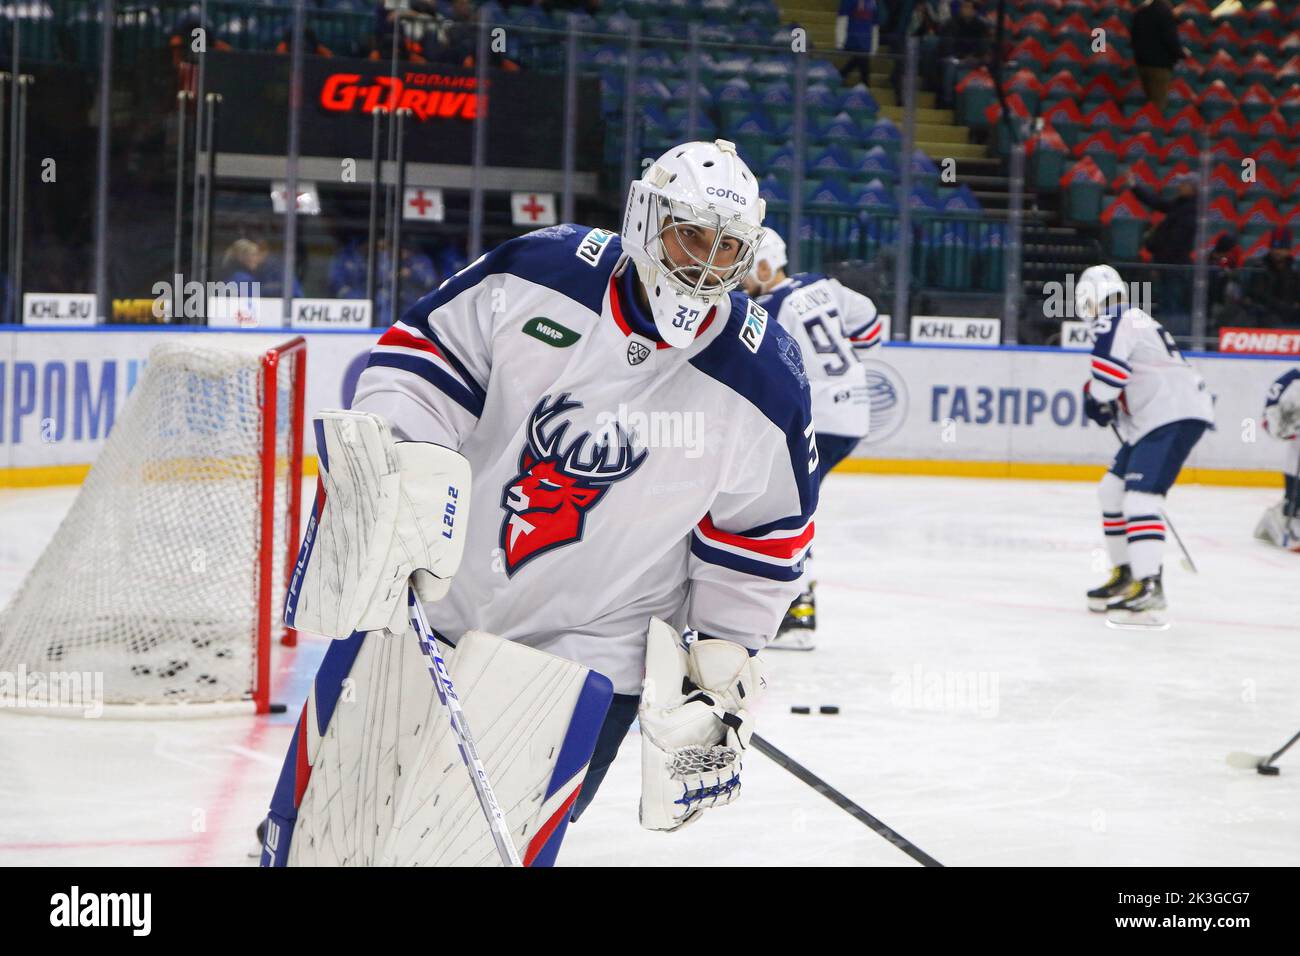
1280, 386
1108, 323
768, 372
575, 261
760, 361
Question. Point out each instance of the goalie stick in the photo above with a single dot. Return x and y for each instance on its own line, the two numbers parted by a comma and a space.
496, 817
1187, 562
1262, 765
843, 802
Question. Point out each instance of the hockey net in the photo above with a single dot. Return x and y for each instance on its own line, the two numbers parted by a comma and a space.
164, 582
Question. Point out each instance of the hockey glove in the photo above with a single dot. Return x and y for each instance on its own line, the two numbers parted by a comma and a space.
1103, 413
384, 510
695, 725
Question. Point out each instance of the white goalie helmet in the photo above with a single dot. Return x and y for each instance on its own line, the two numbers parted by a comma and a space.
1096, 284
693, 192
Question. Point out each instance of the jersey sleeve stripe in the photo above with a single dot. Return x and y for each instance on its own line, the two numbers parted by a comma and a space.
745, 565
867, 336
781, 546
1112, 367
426, 336
431, 373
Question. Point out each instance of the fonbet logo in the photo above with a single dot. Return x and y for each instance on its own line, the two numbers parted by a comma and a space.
887, 393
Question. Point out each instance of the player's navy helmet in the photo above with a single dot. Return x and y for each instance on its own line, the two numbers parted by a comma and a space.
693, 192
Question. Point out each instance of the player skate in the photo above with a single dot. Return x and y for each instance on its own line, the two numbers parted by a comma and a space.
1142, 606
799, 624
1159, 407
1116, 586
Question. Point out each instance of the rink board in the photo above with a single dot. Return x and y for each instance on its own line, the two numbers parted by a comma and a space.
936, 409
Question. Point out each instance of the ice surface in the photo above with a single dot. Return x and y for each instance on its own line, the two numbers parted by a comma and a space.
984, 713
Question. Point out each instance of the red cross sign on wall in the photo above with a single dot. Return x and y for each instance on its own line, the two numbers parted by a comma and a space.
532, 209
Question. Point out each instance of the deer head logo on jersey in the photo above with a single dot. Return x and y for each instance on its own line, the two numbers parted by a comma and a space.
546, 504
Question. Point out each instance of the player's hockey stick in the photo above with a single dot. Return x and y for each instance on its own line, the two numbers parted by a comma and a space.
496, 817
843, 802
1187, 562
1260, 764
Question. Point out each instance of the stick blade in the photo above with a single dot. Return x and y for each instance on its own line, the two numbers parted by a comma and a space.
1243, 760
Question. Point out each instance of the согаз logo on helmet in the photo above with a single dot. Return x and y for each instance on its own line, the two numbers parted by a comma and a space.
730, 194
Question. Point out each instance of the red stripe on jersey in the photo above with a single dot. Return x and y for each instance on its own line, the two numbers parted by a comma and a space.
873, 334
1114, 371
1115, 524
780, 548
396, 336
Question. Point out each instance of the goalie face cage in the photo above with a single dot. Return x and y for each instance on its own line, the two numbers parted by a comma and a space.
164, 581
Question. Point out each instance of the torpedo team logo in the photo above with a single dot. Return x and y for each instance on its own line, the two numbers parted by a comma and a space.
546, 503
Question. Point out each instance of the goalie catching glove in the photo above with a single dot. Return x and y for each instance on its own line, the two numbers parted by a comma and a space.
384, 510
695, 725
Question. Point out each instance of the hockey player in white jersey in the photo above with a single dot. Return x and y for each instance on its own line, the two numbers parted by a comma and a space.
832, 325
1160, 407
1280, 524
640, 440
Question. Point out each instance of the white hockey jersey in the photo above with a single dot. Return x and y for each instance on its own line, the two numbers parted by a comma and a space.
615, 478
832, 325
1283, 398
1135, 360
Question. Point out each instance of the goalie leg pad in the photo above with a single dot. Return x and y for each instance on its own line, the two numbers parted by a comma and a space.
374, 776
384, 510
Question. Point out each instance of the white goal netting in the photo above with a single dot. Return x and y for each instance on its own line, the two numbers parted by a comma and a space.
154, 578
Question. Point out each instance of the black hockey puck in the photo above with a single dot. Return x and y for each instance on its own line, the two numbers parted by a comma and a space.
1267, 770
828, 709
278, 708
801, 710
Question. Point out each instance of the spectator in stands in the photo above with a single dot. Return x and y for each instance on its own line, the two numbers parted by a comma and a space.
1274, 298
247, 261
928, 19
1170, 244
311, 46
1172, 240
388, 18
1156, 48
966, 36
855, 26
1227, 292
347, 276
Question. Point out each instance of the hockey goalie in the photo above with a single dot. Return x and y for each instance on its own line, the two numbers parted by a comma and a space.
1280, 524
496, 461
